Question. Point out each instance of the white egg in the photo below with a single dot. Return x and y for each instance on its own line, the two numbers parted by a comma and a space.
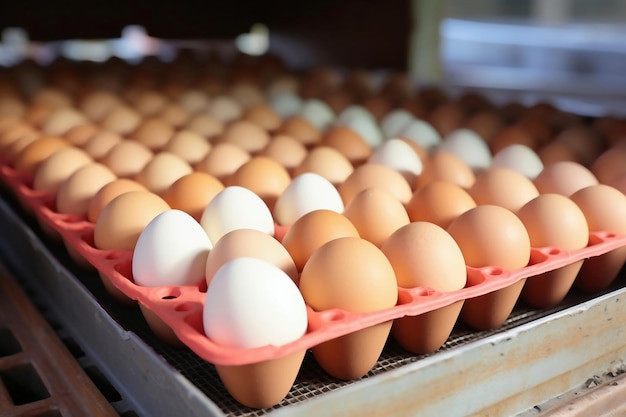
399, 155
394, 121
519, 157
236, 207
305, 193
422, 133
363, 122
469, 146
318, 113
285, 103
252, 303
171, 250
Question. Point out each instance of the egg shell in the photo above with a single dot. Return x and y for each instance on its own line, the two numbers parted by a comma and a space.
376, 214
123, 219
264, 176
519, 157
349, 142
445, 166
252, 243
122, 119
246, 135
423, 254
287, 151
301, 129
503, 187
609, 164
61, 120
305, 193
59, 166
366, 283
171, 250
188, 145
192, 192
107, 193
439, 202
97, 104
222, 160
174, 114
205, 125
553, 220
604, 208
236, 207
512, 135
312, 230
245, 295
127, 158
225, 108
194, 101
264, 116
75, 193
162, 171
359, 119
318, 113
399, 155
285, 103
153, 132
100, 143
327, 162
422, 133
564, 177
79, 135
468, 146
394, 122
375, 175
36, 151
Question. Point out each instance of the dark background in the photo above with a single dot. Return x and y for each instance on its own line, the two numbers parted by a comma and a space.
369, 33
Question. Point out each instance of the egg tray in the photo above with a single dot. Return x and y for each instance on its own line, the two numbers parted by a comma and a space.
180, 307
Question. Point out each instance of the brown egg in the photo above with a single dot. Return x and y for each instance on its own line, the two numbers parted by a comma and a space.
378, 106
225, 108
564, 177
486, 123
174, 114
61, 120
301, 129
312, 230
371, 175
188, 145
347, 141
194, 101
246, 135
108, 192
149, 103
37, 113
36, 152
75, 193
439, 202
585, 142
247, 94
446, 117
553, 152
553, 220
285, 150
604, 208
101, 143
123, 219
491, 236
512, 135
376, 214
58, 166
79, 135
327, 162
205, 125
162, 171
445, 166
127, 158
122, 119
192, 192
503, 187
154, 133
97, 104
222, 160
263, 116
13, 134
610, 164
423, 254
51, 96
15, 148
253, 243
262, 175
328, 281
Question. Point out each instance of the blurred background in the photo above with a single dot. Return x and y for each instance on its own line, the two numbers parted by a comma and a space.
569, 50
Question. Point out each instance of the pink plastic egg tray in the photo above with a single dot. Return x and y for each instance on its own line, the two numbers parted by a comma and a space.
180, 307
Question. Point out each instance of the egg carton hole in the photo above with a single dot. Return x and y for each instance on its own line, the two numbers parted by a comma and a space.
9, 345
23, 384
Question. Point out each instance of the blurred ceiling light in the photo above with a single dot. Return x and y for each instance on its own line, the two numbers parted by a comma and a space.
257, 42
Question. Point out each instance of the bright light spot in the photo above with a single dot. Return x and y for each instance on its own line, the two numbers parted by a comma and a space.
257, 42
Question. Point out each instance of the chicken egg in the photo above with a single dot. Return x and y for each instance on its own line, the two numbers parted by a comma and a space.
108, 192
439, 202
192, 192
375, 175
503, 187
75, 193
564, 177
